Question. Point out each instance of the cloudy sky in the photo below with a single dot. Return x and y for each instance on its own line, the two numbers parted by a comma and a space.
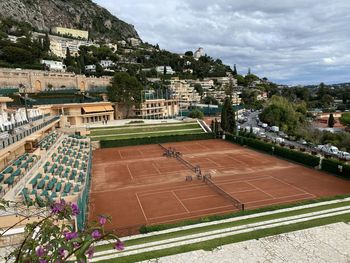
287, 41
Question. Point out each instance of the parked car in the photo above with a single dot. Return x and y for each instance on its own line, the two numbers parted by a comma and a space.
275, 129
262, 135
303, 142
256, 130
264, 125
344, 155
329, 149
278, 140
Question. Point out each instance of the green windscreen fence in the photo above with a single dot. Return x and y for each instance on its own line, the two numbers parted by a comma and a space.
83, 200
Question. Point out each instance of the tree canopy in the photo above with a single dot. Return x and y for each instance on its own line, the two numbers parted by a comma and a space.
125, 89
284, 114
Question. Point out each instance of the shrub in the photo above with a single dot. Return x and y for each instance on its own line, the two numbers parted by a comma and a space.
298, 157
332, 166
154, 140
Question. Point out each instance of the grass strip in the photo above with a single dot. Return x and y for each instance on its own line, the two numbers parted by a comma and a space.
143, 135
143, 125
203, 229
212, 244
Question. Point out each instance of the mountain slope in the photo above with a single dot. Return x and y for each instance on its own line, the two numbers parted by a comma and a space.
80, 14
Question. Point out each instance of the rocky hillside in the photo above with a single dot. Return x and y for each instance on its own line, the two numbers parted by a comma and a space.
82, 14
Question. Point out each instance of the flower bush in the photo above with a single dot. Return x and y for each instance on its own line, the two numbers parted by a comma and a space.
54, 238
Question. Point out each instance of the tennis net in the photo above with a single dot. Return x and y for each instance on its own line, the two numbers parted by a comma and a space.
223, 193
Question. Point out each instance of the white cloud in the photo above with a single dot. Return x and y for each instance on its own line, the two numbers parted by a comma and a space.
289, 41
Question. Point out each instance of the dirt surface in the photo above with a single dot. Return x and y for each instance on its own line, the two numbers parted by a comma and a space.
139, 186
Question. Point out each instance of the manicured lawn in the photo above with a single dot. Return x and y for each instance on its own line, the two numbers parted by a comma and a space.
140, 129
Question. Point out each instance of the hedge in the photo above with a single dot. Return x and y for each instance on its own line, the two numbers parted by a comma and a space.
299, 157
270, 148
154, 140
332, 166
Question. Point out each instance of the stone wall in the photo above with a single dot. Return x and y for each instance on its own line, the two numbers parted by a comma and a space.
36, 80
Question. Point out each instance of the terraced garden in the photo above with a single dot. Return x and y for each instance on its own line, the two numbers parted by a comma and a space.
141, 131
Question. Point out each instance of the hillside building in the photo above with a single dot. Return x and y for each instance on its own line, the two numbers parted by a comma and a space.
52, 65
62, 31
184, 93
167, 69
199, 53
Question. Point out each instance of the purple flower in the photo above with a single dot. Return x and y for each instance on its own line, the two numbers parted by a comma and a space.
75, 209
90, 252
102, 220
58, 207
70, 235
119, 245
42, 261
40, 252
96, 234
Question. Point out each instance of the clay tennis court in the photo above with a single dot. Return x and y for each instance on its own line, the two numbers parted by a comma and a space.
139, 186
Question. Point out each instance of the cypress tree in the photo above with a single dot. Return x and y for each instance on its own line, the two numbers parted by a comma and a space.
235, 70
331, 121
224, 111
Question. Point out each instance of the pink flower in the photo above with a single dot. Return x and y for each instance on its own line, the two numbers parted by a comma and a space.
58, 207
40, 252
102, 220
90, 252
75, 209
119, 245
70, 235
96, 234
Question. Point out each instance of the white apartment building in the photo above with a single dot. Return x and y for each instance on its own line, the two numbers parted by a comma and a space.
107, 63
168, 70
90, 68
71, 32
134, 42
207, 84
59, 45
52, 65
184, 93
158, 109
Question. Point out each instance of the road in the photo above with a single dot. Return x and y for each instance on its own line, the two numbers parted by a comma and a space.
252, 122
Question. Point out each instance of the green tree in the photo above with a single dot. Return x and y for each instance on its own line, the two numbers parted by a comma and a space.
68, 61
46, 43
345, 119
17, 55
331, 121
198, 87
327, 101
126, 90
210, 100
196, 114
279, 111
189, 54
229, 88
228, 122
234, 70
